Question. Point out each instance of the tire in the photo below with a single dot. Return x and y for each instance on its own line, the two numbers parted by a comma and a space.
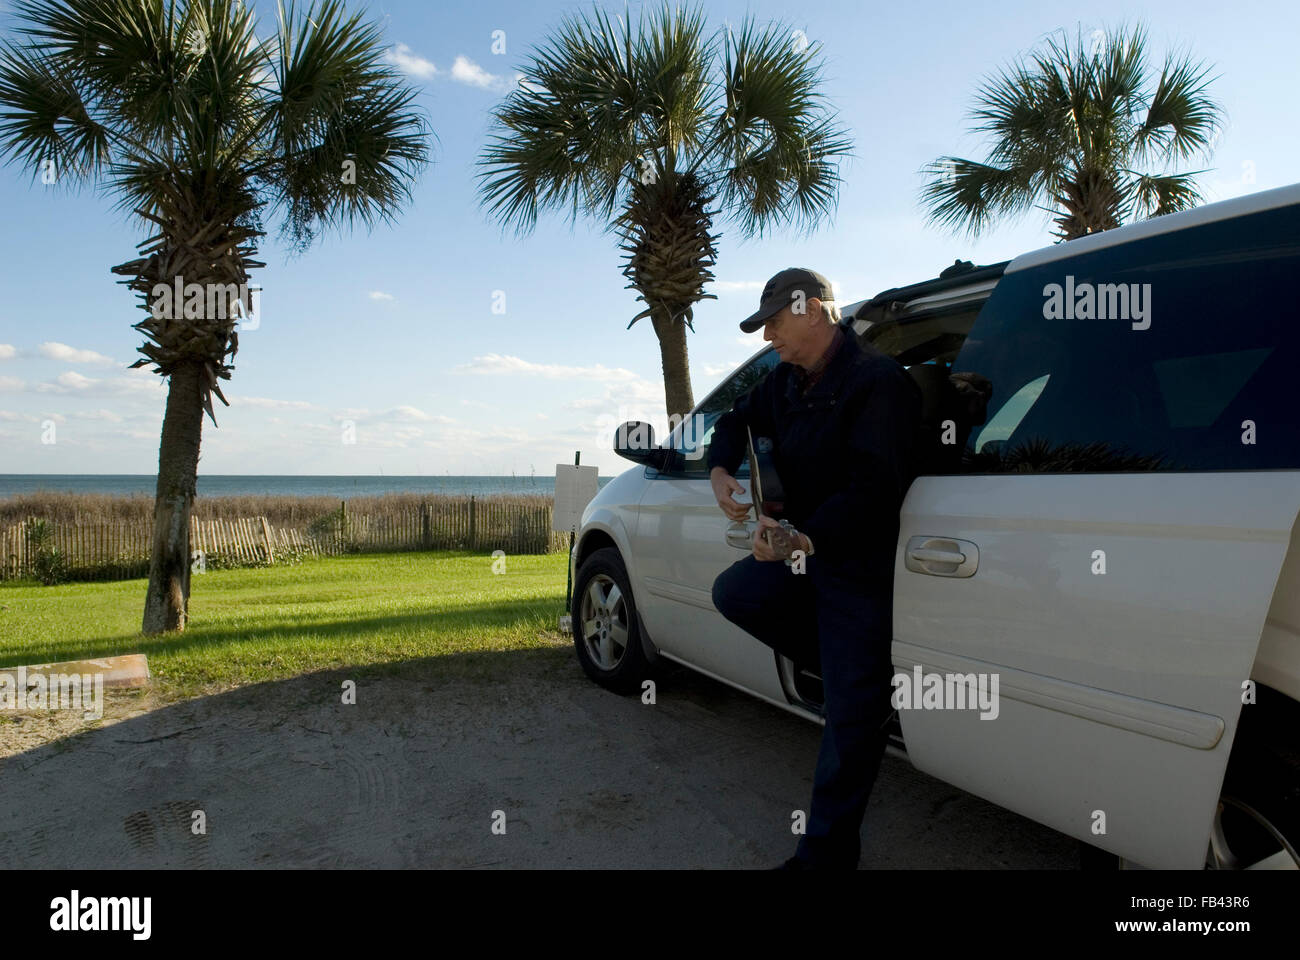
1257, 824
1257, 820
606, 629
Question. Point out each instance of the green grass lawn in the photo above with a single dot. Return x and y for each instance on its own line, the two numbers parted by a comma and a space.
246, 626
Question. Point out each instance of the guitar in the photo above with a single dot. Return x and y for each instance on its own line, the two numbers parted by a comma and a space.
769, 495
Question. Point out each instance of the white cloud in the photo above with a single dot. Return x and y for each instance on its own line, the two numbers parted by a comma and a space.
12, 417
408, 414
69, 382
399, 414
465, 70
73, 382
500, 438
7, 351
390, 429
380, 295
100, 414
635, 392
752, 340
495, 363
61, 351
10, 385
410, 63
718, 369
268, 402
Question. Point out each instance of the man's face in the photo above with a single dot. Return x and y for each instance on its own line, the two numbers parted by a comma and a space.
793, 335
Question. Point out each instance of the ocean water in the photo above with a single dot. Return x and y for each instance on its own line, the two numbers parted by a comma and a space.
223, 485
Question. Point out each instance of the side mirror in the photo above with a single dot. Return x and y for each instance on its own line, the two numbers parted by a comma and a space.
635, 441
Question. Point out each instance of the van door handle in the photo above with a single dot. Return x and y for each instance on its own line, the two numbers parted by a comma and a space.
740, 536
941, 556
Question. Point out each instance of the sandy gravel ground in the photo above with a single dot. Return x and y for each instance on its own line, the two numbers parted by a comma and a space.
415, 773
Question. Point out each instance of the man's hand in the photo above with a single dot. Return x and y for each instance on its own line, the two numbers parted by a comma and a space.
724, 485
763, 550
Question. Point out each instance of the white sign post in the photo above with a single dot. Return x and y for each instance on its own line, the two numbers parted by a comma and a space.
575, 486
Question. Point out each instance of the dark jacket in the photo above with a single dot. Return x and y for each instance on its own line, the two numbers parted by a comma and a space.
845, 452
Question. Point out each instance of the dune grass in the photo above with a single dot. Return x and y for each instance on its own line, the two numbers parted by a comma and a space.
370, 610
279, 509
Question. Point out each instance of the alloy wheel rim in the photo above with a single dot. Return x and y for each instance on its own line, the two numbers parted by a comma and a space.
1242, 838
604, 622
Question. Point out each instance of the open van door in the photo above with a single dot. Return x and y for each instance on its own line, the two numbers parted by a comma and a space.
1111, 546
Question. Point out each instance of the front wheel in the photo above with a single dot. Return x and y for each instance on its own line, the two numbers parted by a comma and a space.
606, 632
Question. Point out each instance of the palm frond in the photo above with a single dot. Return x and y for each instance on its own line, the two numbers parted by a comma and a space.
777, 139
44, 123
673, 59
1151, 195
603, 105
131, 58
345, 139
1181, 118
567, 137
966, 194
1064, 128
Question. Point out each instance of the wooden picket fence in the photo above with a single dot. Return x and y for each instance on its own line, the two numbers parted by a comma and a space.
246, 540
94, 548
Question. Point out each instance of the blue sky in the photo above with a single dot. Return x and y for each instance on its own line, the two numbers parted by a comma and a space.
395, 330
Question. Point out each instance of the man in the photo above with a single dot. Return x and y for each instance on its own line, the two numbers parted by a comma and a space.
843, 421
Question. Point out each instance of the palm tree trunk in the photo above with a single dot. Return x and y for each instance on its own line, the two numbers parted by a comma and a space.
678, 396
1090, 203
166, 603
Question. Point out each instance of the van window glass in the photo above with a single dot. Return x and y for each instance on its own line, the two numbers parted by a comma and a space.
693, 435
1174, 352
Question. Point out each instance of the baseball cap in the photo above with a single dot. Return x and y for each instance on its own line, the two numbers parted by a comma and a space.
780, 290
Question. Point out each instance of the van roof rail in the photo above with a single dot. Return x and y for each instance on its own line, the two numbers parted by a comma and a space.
959, 274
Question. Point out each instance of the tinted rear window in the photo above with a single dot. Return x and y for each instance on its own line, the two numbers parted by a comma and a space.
1176, 352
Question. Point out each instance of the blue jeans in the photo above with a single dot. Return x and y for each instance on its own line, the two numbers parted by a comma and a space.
832, 619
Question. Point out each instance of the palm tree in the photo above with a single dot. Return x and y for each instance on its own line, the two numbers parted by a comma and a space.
1084, 130
201, 129
657, 130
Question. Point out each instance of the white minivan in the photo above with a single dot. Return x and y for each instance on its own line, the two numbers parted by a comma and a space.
1110, 531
